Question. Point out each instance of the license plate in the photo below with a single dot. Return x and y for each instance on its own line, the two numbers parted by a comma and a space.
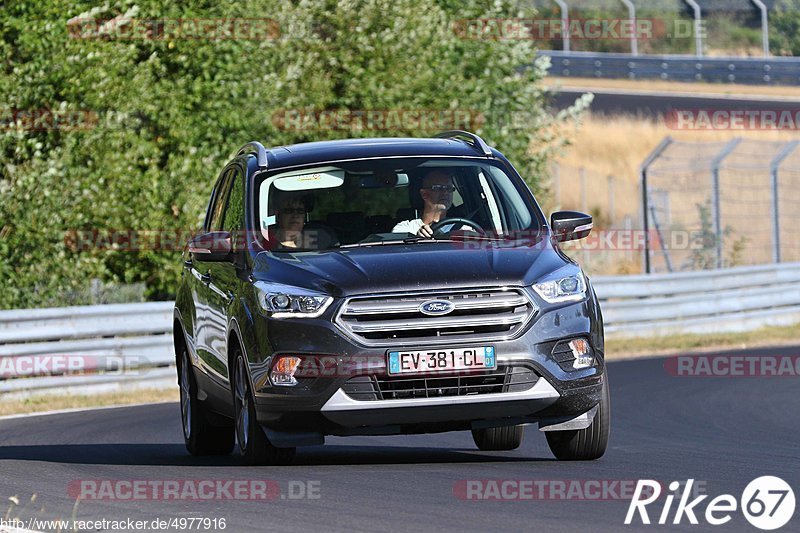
442, 359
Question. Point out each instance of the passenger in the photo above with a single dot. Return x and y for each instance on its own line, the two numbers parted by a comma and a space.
437, 194
291, 212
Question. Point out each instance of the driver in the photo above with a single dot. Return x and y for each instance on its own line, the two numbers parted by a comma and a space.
437, 194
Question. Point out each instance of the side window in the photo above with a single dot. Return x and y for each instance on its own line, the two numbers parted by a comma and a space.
215, 222
233, 217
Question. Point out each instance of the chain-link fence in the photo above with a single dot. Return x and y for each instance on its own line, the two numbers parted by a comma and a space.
720, 204
614, 201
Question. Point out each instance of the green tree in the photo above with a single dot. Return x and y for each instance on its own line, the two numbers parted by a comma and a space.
169, 111
784, 22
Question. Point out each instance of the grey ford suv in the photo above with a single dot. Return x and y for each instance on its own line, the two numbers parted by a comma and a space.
385, 287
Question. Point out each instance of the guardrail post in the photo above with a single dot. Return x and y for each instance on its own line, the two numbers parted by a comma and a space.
715, 164
564, 23
698, 27
643, 169
632, 15
776, 223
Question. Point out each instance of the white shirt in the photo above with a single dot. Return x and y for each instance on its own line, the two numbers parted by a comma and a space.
413, 226
408, 226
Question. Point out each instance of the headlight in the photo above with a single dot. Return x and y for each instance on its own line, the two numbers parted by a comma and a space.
285, 301
564, 285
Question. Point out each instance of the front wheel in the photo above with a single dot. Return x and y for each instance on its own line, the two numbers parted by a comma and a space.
584, 444
200, 437
254, 446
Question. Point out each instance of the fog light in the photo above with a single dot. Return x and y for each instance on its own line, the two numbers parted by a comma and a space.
582, 353
283, 371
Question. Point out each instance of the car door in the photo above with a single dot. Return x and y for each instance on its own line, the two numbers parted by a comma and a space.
224, 282
205, 332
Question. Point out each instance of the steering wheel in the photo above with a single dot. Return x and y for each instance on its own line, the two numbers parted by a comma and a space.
436, 226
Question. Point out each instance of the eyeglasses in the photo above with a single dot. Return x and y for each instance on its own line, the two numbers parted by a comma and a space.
292, 211
441, 188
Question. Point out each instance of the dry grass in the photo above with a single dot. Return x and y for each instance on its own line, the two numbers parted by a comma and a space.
617, 349
601, 147
45, 402
616, 146
676, 87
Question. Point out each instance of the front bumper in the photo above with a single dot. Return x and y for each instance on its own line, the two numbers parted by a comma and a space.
319, 404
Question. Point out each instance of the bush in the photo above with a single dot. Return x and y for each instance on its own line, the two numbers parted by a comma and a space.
784, 25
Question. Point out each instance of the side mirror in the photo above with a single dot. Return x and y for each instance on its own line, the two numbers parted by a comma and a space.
570, 225
212, 246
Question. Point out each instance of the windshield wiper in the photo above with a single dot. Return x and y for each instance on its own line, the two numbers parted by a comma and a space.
407, 240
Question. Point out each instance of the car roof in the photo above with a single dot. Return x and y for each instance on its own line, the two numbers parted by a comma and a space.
322, 151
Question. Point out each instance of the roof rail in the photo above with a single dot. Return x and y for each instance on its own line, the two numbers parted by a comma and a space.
470, 138
257, 149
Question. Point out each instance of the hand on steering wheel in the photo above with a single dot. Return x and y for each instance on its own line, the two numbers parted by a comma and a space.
436, 226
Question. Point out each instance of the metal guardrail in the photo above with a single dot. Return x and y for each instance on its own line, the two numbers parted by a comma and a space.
707, 301
132, 343
755, 70
102, 344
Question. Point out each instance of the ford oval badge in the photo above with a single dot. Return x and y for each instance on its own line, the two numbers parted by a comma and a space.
436, 307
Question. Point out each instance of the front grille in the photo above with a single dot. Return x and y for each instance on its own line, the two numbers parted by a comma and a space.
507, 378
396, 320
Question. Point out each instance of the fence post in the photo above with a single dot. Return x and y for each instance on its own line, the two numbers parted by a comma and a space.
611, 206
582, 173
698, 27
557, 185
632, 15
776, 222
764, 26
715, 164
643, 169
564, 23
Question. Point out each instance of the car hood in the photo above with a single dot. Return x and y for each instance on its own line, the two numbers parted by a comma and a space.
412, 267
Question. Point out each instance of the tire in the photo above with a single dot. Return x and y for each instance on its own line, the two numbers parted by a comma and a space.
584, 444
497, 439
254, 446
200, 437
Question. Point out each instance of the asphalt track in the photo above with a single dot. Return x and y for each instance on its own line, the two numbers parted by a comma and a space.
723, 432
651, 104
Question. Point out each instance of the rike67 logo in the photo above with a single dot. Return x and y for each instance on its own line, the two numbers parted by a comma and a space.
767, 503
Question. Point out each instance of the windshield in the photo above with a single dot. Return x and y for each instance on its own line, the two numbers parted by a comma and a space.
390, 201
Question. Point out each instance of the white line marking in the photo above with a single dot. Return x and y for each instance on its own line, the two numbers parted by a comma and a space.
80, 409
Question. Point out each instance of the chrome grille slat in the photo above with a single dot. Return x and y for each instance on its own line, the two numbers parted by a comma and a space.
412, 306
395, 320
439, 323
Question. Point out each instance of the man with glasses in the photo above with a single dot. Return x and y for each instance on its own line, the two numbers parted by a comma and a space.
437, 194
